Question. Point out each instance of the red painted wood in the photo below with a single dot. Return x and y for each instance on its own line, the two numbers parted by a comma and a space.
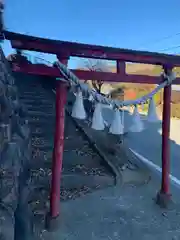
165, 140
121, 67
86, 50
37, 69
61, 95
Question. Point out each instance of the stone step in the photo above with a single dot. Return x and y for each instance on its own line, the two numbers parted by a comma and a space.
29, 85
76, 157
38, 119
38, 106
72, 186
41, 156
38, 102
39, 92
40, 114
73, 159
30, 90
41, 139
75, 147
75, 181
48, 134
45, 148
70, 181
40, 124
48, 123
79, 180
37, 128
32, 97
68, 163
41, 143
45, 108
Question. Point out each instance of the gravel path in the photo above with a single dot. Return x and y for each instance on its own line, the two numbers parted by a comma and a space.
119, 213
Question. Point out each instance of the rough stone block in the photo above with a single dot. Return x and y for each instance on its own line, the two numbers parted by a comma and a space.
15, 156
6, 223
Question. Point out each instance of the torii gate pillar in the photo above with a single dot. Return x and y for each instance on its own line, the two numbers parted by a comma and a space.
164, 196
61, 95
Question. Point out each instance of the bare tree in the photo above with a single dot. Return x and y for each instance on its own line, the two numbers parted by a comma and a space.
96, 65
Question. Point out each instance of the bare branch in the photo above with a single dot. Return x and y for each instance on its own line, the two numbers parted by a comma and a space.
96, 65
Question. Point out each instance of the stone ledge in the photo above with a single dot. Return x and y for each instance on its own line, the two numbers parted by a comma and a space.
71, 181
92, 141
79, 181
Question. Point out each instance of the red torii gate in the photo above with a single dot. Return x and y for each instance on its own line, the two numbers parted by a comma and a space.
64, 50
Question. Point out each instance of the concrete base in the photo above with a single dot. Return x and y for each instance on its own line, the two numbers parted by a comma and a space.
135, 177
52, 223
163, 200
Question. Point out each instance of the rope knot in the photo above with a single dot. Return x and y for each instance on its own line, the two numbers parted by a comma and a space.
170, 76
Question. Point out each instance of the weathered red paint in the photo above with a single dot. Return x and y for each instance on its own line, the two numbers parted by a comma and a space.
165, 140
21, 41
61, 94
121, 67
38, 69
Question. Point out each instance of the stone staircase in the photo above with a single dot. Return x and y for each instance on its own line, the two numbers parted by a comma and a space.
83, 170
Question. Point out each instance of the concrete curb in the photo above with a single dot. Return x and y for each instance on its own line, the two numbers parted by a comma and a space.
155, 169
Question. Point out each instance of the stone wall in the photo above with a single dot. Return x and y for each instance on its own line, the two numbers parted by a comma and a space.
15, 156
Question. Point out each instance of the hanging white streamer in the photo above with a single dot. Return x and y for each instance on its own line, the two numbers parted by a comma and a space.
137, 125
122, 120
116, 126
97, 120
78, 110
152, 114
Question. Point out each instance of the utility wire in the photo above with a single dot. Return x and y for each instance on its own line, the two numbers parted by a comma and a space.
170, 48
162, 39
166, 38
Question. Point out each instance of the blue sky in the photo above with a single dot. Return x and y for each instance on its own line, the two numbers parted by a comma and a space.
135, 24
